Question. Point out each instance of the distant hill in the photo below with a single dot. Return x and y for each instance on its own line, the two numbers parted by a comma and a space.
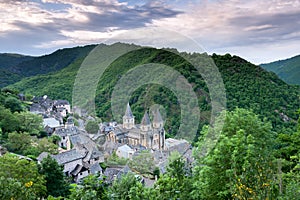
288, 70
8, 60
247, 86
15, 67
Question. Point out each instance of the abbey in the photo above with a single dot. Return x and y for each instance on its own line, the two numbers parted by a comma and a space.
147, 134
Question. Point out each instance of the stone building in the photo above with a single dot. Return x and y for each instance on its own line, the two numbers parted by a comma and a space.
148, 134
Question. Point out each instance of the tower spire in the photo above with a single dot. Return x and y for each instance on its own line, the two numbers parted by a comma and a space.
128, 118
146, 119
128, 112
157, 119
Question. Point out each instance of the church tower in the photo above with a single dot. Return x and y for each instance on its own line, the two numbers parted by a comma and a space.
128, 118
146, 131
159, 132
158, 122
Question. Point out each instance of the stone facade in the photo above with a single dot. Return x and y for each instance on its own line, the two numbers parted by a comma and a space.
147, 134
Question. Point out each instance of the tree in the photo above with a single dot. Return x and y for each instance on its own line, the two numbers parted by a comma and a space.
177, 182
290, 158
13, 104
18, 142
92, 127
30, 123
240, 166
143, 163
55, 179
11, 188
45, 145
22, 173
92, 187
126, 188
8, 121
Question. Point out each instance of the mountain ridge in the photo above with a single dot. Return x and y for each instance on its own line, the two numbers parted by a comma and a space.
247, 86
287, 69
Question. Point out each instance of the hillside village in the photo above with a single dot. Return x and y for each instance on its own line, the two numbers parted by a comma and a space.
82, 153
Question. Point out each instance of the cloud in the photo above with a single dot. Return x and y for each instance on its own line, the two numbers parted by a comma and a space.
72, 19
236, 25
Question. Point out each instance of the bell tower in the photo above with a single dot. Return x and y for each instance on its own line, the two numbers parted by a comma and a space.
146, 132
128, 118
157, 120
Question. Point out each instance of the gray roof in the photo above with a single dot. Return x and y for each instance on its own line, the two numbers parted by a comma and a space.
125, 148
111, 173
95, 168
128, 112
157, 117
61, 102
77, 169
146, 119
66, 131
51, 122
37, 108
69, 156
80, 138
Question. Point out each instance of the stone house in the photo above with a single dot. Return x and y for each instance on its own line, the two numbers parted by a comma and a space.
125, 151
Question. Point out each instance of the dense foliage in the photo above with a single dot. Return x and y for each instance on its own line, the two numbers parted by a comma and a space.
255, 156
20, 129
247, 86
14, 67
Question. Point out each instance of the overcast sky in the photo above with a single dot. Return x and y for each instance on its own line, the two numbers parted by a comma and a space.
259, 31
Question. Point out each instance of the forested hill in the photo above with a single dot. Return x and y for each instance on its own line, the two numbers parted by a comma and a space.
288, 70
7, 62
14, 67
247, 86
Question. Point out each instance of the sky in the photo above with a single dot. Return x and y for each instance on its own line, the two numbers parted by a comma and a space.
259, 31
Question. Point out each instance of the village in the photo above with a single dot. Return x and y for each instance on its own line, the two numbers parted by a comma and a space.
109, 151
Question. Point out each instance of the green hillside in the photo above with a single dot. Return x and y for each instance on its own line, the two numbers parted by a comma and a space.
52, 62
8, 78
288, 70
247, 86
14, 67
9, 60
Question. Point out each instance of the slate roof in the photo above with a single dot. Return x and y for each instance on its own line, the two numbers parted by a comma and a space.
95, 168
61, 102
179, 145
69, 156
77, 170
157, 117
128, 112
112, 173
67, 131
51, 122
79, 138
146, 119
36, 108
125, 148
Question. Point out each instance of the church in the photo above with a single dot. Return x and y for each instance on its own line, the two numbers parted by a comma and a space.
148, 134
